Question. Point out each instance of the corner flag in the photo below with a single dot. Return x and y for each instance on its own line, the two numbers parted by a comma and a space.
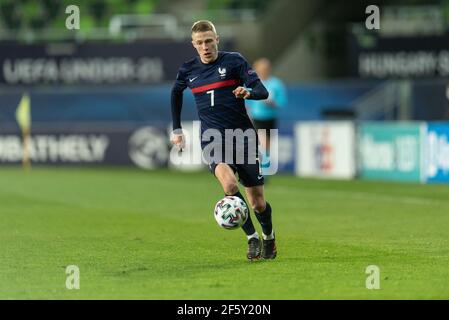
23, 114
23, 117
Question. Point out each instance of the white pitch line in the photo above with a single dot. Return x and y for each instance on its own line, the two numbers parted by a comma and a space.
358, 195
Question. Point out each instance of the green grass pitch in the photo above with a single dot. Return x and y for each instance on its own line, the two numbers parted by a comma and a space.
151, 235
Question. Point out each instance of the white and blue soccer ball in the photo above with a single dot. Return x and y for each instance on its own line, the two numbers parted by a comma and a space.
231, 212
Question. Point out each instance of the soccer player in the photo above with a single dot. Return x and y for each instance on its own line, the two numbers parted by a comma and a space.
220, 82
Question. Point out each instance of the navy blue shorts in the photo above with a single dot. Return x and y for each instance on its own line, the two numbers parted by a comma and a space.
249, 174
248, 166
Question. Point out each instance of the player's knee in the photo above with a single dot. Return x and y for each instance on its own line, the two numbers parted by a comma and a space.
230, 187
258, 206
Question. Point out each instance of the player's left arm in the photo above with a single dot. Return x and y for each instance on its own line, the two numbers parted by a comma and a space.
255, 91
254, 88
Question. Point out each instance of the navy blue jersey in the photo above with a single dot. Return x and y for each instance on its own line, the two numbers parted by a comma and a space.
212, 85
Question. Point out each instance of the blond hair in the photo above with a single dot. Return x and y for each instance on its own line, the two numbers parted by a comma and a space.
203, 26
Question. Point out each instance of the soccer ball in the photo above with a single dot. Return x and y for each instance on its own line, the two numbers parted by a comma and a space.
231, 212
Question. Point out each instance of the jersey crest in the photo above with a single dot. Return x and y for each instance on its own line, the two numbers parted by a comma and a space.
222, 72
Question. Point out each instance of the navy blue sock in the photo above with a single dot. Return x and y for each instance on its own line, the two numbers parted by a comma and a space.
248, 227
265, 220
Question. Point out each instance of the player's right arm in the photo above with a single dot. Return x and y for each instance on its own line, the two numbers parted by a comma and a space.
177, 137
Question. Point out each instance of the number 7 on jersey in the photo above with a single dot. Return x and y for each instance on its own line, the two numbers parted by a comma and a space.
212, 102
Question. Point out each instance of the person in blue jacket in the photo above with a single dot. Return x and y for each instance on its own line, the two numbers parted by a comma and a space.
264, 113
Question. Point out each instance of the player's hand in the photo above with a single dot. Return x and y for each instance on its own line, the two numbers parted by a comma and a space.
241, 92
178, 140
